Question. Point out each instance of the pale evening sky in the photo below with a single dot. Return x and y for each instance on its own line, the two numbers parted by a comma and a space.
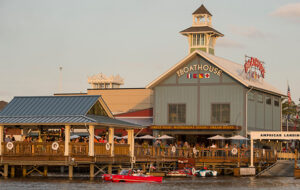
138, 39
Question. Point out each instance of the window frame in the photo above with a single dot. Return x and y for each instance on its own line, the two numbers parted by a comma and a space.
266, 99
251, 98
262, 98
276, 100
211, 113
176, 122
197, 40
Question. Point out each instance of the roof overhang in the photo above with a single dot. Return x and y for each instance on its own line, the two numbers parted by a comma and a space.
173, 69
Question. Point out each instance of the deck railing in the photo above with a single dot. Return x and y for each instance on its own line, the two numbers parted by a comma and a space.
79, 149
141, 152
121, 149
75, 149
284, 155
238, 155
100, 149
33, 149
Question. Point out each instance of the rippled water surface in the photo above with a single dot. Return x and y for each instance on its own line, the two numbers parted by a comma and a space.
170, 183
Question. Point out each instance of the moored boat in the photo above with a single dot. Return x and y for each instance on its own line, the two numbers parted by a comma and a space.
186, 172
131, 176
206, 173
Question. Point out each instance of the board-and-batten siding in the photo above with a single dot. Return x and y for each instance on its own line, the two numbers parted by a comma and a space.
205, 92
262, 116
172, 94
232, 94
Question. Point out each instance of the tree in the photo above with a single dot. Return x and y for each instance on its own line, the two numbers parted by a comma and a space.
290, 111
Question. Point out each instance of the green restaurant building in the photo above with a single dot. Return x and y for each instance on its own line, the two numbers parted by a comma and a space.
205, 95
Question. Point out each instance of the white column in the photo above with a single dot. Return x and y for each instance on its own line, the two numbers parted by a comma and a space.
1, 138
111, 134
67, 139
130, 133
251, 154
91, 140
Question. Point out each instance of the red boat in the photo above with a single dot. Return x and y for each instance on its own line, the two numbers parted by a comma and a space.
130, 176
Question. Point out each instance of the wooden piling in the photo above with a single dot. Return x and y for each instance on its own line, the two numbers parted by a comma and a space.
92, 171
45, 171
5, 174
70, 171
109, 169
12, 171
24, 173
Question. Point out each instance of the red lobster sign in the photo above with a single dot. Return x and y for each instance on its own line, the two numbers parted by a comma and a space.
252, 65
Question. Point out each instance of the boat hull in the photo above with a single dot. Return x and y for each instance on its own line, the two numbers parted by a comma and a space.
132, 179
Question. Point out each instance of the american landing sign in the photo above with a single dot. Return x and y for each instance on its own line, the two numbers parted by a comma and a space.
207, 69
274, 135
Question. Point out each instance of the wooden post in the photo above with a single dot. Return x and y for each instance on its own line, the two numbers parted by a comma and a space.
251, 154
296, 158
1, 138
67, 139
24, 171
92, 171
130, 141
239, 158
111, 134
91, 140
70, 171
5, 174
12, 171
109, 169
45, 171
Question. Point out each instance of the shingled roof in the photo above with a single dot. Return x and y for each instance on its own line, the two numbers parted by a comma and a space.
202, 10
59, 110
196, 29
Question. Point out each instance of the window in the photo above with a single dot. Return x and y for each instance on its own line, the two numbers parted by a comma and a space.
177, 113
250, 96
259, 98
268, 100
198, 40
220, 113
276, 102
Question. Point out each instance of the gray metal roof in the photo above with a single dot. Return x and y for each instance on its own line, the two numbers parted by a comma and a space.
45, 120
49, 106
60, 110
110, 121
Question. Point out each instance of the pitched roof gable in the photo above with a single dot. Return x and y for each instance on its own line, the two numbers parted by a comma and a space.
231, 68
202, 10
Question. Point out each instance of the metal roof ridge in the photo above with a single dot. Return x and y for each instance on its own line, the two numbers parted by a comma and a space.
87, 117
27, 116
56, 96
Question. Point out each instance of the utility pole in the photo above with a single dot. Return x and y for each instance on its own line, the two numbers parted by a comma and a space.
60, 79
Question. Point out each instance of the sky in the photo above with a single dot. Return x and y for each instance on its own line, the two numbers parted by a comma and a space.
138, 39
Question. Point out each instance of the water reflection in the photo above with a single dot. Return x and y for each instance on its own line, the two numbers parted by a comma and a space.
169, 183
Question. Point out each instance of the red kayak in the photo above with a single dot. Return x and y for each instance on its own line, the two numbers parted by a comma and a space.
131, 176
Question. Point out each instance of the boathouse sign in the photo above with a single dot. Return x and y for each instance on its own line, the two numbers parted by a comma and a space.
207, 69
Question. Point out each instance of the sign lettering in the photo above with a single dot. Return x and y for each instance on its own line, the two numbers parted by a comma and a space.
254, 68
208, 69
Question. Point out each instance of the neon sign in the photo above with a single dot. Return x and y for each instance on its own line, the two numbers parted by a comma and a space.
254, 67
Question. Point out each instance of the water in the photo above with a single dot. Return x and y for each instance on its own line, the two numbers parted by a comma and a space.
281, 183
